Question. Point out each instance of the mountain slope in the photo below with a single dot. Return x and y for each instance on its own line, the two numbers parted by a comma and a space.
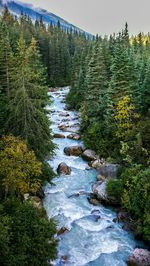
17, 8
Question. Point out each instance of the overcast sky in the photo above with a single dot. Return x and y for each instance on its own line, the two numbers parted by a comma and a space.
100, 16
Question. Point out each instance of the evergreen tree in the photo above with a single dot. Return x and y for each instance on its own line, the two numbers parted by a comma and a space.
26, 116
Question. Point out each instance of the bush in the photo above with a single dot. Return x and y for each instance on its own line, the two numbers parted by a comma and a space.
115, 188
136, 197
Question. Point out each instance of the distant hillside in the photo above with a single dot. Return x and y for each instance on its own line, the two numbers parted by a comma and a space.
17, 8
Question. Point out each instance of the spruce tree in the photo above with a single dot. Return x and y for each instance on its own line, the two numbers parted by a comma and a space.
26, 117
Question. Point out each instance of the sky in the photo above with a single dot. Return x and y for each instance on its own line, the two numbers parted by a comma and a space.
100, 16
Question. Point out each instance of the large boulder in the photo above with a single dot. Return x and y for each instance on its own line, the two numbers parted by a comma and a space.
99, 190
108, 170
74, 136
63, 168
89, 155
73, 150
59, 136
139, 257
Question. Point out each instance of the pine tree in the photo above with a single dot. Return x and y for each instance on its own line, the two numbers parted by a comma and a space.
6, 74
96, 84
26, 117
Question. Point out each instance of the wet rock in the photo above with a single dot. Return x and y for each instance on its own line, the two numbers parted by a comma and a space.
66, 119
59, 136
92, 200
40, 193
63, 168
89, 155
74, 136
77, 194
64, 259
122, 216
75, 118
139, 257
88, 168
63, 101
97, 163
96, 211
73, 150
52, 89
95, 217
64, 114
73, 129
131, 227
62, 231
99, 190
62, 127
108, 170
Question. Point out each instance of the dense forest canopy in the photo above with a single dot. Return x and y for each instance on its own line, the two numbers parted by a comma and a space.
109, 82
111, 88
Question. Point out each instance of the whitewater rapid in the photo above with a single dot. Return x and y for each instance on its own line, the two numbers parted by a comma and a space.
88, 241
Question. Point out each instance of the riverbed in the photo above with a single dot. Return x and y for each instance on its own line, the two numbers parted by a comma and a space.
91, 238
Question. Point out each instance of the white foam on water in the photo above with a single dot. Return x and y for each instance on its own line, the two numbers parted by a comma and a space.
90, 241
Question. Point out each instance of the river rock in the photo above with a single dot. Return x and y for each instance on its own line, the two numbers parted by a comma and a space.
62, 231
74, 136
123, 216
59, 136
139, 257
73, 150
108, 170
67, 119
92, 200
89, 155
97, 163
62, 127
72, 129
99, 190
64, 114
40, 193
63, 168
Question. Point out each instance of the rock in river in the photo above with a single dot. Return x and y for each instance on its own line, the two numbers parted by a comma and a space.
89, 155
62, 231
73, 150
99, 190
59, 136
74, 136
139, 257
63, 168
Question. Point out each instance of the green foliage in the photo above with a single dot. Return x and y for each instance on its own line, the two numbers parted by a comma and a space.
136, 197
20, 170
27, 236
114, 188
115, 112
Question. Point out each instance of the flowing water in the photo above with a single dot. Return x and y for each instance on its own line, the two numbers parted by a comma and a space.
89, 241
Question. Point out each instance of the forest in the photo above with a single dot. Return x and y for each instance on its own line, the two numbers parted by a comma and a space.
25, 135
110, 87
109, 79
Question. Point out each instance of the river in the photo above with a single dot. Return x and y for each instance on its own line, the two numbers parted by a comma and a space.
89, 241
